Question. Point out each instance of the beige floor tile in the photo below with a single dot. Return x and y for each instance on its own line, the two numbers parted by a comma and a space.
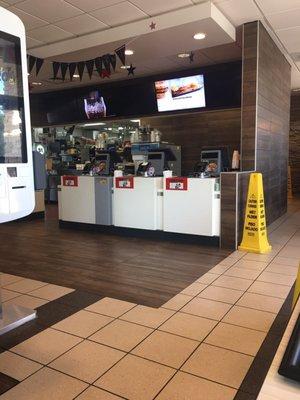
16, 366
136, 378
231, 282
218, 365
7, 279
290, 252
28, 301
83, 323
193, 289
189, 326
148, 316
279, 279
292, 262
93, 393
219, 269
7, 295
249, 318
237, 254
188, 387
87, 361
206, 308
46, 346
269, 289
122, 335
253, 265
46, 384
25, 285
51, 292
221, 294
229, 261
241, 272
236, 338
261, 302
282, 269
165, 348
177, 302
111, 307
207, 278
260, 257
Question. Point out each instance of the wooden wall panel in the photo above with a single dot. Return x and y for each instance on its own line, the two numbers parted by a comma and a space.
196, 130
294, 159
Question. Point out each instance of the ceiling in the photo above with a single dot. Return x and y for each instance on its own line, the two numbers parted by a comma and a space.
76, 30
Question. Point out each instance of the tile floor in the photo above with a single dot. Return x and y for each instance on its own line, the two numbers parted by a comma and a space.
197, 346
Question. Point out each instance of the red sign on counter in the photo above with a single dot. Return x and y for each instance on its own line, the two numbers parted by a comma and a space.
177, 183
125, 182
70, 181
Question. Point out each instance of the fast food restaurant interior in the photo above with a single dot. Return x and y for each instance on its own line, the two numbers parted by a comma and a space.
149, 200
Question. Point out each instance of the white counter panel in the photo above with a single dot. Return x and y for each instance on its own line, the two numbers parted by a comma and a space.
194, 211
140, 206
77, 203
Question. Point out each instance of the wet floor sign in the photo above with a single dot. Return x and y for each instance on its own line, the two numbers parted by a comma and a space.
255, 238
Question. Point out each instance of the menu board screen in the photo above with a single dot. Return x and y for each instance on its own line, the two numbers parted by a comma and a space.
12, 124
180, 93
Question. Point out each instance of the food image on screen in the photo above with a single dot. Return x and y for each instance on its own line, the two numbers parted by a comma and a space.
180, 93
94, 105
12, 127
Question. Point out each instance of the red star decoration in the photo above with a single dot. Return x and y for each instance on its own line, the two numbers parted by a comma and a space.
152, 26
105, 74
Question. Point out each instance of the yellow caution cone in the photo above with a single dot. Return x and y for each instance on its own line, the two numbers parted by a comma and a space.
255, 238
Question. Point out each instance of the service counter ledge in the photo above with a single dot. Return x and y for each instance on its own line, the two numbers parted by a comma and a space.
179, 205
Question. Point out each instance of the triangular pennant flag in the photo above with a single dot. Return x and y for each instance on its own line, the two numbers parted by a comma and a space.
113, 61
63, 68
31, 62
80, 68
90, 67
72, 69
38, 65
105, 74
55, 66
98, 64
106, 62
120, 52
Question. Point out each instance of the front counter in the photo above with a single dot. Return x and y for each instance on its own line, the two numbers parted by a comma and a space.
180, 205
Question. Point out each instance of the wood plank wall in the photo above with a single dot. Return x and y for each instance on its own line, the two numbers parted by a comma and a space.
295, 143
264, 130
196, 130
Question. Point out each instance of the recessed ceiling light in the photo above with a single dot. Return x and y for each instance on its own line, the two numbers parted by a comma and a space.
125, 66
135, 120
183, 55
95, 124
36, 83
76, 76
199, 36
129, 52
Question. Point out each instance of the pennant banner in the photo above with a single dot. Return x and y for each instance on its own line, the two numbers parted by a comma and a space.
80, 68
106, 63
113, 61
72, 69
63, 68
38, 65
120, 52
90, 67
56, 67
31, 63
98, 65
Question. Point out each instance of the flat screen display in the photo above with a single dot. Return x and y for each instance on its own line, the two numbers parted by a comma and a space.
12, 121
180, 93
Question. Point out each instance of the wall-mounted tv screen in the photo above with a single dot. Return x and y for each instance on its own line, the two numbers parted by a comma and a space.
180, 93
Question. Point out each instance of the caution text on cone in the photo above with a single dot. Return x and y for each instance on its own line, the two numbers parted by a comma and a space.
255, 238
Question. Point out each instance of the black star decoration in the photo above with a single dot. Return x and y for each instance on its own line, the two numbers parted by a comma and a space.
131, 70
152, 26
191, 56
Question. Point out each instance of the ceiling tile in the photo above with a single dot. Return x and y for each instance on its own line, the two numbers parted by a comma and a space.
155, 7
3, 4
30, 42
49, 10
81, 24
11, 2
283, 20
119, 14
275, 6
29, 20
239, 12
91, 5
49, 34
290, 38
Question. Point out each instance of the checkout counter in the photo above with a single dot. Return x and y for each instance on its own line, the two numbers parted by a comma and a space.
171, 204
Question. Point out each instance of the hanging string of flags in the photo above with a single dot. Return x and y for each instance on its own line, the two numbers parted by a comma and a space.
103, 64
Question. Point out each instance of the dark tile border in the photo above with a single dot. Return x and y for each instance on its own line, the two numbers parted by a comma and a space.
6, 383
257, 373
